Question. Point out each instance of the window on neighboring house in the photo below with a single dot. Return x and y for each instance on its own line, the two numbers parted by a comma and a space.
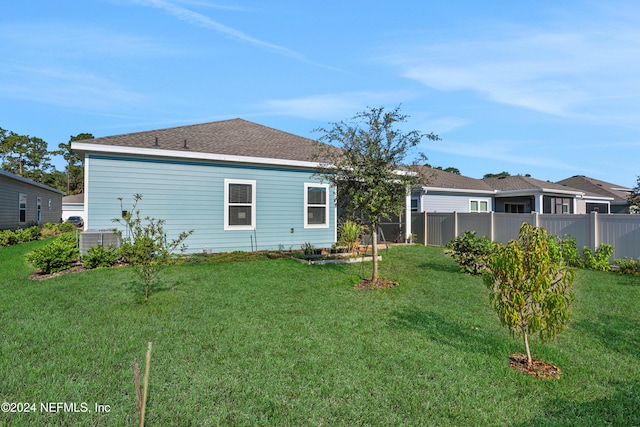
22, 208
316, 205
39, 209
479, 206
239, 204
414, 205
514, 207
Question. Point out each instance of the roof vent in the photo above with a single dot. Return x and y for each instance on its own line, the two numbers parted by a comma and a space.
185, 144
155, 144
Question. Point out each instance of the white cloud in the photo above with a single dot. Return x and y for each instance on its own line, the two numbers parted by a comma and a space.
584, 70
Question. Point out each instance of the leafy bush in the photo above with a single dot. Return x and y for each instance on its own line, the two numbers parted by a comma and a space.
567, 250
350, 232
8, 238
599, 260
99, 256
55, 256
21, 235
472, 252
628, 266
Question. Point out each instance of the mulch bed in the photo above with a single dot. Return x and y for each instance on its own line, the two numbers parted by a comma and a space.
381, 283
38, 275
539, 368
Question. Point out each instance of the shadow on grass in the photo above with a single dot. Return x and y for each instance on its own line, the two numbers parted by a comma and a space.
444, 331
620, 408
617, 333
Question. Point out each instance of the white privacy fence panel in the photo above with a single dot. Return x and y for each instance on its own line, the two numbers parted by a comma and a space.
591, 230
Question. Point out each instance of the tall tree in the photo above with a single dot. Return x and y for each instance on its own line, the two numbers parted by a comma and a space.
24, 155
75, 167
369, 168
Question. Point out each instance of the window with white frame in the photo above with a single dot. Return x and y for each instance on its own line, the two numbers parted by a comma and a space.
478, 206
22, 208
239, 204
316, 205
39, 209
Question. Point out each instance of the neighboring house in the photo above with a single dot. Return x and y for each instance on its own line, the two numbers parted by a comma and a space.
24, 202
448, 192
618, 193
73, 206
238, 185
523, 194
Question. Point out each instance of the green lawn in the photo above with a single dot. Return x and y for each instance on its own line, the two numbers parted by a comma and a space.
278, 342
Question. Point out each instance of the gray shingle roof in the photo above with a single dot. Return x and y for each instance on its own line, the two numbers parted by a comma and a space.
520, 182
440, 179
236, 137
592, 185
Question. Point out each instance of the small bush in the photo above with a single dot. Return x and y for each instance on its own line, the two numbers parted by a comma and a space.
55, 256
8, 238
472, 252
568, 253
599, 260
350, 232
99, 256
628, 266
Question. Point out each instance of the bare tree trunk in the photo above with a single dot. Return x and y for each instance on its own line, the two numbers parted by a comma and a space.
526, 345
374, 246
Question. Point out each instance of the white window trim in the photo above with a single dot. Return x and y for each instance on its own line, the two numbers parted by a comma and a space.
22, 196
252, 226
479, 203
307, 185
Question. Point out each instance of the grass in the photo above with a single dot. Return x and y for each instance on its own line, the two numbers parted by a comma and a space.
277, 342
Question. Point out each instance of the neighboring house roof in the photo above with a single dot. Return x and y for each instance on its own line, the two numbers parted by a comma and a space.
519, 184
230, 140
619, 193
28, 181
75, 199
439, 179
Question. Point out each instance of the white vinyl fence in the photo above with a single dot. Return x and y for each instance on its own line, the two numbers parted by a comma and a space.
619, 230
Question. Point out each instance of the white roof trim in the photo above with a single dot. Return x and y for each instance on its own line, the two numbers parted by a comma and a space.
457, 190
195, 155
30, 182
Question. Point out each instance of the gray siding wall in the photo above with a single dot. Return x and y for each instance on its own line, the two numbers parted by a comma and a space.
433, 202
10, 190
189, 195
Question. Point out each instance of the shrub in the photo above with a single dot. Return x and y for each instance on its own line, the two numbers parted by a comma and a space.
472, 252
8, 238
99, 256
628, 266
567, 250
350, 232
55, 256
599, 260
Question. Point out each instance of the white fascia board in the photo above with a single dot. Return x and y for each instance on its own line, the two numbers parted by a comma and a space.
534, 191
196, 155
457, 190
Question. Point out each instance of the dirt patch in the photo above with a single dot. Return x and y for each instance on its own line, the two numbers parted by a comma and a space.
381, 283
74, 268
539, 368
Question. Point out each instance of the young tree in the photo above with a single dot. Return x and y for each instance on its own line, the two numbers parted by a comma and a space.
529, 291
368, 168
145, 246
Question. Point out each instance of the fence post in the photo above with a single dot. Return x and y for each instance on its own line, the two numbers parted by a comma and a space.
425, 230
455, 224
536, 219
492, 231
594, 231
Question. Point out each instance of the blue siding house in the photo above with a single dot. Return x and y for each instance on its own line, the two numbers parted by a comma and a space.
239, 185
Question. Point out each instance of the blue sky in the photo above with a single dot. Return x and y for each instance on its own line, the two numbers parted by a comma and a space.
548, 88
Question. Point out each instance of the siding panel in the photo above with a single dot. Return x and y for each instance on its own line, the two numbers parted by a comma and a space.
189, 195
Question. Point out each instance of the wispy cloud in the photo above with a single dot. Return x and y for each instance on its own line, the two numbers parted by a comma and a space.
584, 70
195, 18
333, 106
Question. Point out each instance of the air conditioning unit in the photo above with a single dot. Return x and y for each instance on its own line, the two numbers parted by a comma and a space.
98, 237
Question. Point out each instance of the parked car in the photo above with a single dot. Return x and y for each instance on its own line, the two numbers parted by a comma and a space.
76, 220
